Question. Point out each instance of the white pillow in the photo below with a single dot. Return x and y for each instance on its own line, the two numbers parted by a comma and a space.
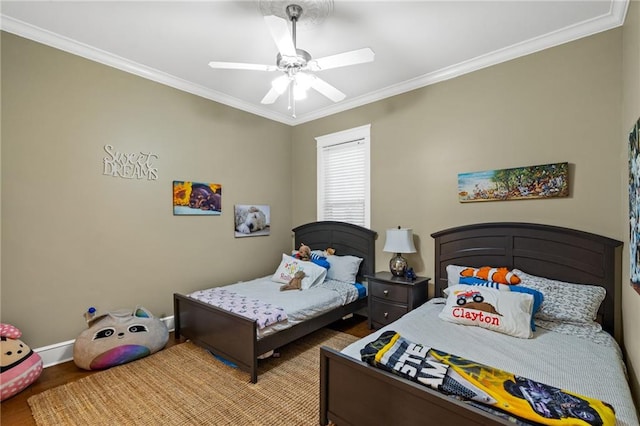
453, 274
502, 311
343, 268
290, 265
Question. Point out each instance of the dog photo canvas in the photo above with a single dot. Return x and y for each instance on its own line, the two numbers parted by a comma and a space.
195, 198
252, 220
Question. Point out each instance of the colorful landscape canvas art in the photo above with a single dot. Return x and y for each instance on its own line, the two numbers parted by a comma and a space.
634, 207
195, 198
520, 183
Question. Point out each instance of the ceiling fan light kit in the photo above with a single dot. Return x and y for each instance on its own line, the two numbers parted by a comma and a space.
297, 64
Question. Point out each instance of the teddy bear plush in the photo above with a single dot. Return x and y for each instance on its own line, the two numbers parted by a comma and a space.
304, 252
19, 365
295, 283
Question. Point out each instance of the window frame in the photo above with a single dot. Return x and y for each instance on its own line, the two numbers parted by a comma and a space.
356, 134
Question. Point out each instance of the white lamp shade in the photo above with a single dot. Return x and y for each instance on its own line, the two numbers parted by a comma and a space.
280, 84
399, 240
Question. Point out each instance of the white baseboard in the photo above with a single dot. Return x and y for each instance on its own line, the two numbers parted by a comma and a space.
56, 353
169, 322
63, 351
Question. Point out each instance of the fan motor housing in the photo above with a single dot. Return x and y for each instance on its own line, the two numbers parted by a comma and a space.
299, 61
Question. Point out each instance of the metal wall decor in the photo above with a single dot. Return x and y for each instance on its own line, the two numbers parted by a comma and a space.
129, 165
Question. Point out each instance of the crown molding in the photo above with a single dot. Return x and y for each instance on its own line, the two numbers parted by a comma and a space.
66, 44
614, 18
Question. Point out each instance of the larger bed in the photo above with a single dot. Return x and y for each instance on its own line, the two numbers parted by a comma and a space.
238, 339
355, 393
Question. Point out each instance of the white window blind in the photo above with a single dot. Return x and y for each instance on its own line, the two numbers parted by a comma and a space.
343, 176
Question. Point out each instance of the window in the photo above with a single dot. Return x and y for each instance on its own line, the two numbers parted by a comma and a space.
343, 176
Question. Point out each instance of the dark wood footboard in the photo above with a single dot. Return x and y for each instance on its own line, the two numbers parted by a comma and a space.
228, 335
353, 393
234, 337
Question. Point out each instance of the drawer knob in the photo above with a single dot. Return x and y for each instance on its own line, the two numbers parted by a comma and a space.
386, 315
386, 292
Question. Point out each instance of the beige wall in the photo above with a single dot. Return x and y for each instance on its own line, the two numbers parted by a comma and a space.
630, 114
73, 237
561, 104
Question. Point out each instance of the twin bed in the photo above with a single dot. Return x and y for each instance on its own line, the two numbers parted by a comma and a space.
584, 361
238, 339
565, 355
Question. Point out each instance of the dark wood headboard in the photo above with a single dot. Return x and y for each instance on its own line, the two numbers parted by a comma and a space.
345, 238
547, 251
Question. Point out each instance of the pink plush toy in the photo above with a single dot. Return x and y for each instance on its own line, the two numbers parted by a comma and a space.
19, 365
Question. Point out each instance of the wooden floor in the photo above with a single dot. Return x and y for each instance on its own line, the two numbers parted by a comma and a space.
15, 410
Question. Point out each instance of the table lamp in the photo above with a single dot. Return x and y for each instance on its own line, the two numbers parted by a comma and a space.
399, 241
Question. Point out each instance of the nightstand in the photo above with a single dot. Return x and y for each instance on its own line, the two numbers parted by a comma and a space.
391, 297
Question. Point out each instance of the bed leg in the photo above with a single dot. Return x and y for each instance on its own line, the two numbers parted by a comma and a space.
324, 379
176, 318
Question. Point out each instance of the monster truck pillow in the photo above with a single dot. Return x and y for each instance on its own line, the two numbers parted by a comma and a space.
119, 337
501, 311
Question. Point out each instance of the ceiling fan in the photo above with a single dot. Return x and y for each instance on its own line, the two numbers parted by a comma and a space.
297, 65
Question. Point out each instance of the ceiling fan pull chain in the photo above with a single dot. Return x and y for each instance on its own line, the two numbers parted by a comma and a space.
293, 113
292, 99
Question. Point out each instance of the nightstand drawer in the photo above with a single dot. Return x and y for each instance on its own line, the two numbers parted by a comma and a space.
390, 292
384, 313
390, 297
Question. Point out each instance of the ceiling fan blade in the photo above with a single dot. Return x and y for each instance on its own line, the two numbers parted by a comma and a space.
352, 57
270, 97
279, 29
241, 66
327, 90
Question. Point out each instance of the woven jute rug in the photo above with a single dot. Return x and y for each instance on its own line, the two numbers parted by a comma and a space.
186, 385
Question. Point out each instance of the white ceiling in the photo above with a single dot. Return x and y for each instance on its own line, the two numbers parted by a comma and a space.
416, 43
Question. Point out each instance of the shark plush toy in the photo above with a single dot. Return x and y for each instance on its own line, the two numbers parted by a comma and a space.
119, 337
